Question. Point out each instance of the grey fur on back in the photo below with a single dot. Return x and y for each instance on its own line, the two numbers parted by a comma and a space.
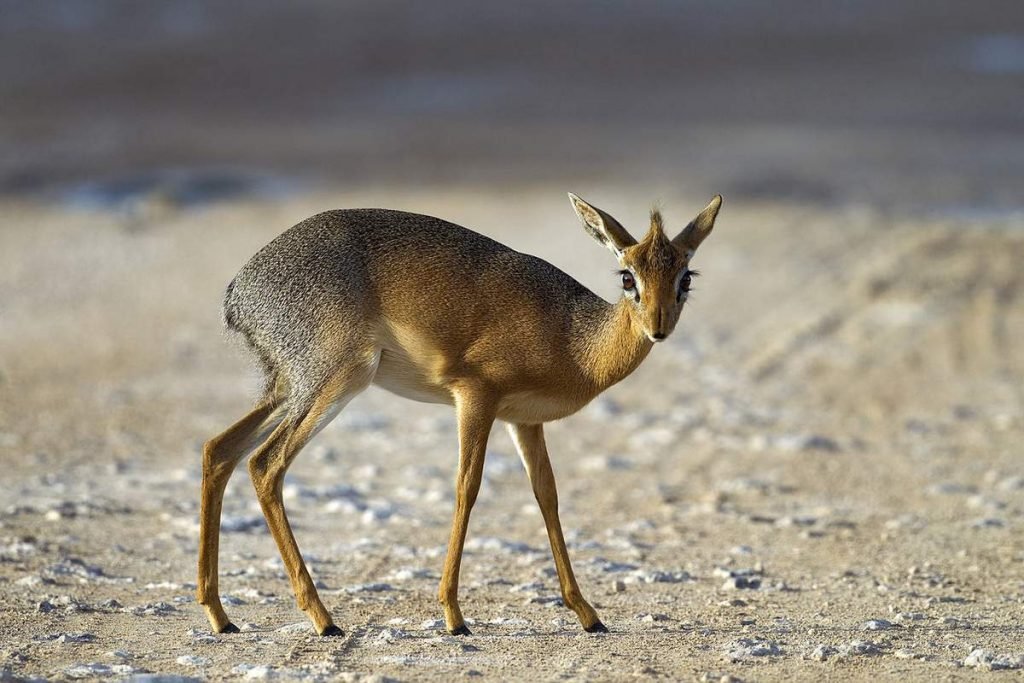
313, 283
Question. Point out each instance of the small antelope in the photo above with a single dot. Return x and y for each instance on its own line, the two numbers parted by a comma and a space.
434, 312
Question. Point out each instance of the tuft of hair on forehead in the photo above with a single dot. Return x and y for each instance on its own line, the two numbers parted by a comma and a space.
657, 224
655, 249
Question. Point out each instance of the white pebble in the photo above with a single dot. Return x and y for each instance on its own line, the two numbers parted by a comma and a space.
876, 625
192, 660
745, 648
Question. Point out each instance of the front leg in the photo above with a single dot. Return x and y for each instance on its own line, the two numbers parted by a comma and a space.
529, 440
475, 411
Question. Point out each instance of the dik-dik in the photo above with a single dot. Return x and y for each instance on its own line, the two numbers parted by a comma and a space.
434, 312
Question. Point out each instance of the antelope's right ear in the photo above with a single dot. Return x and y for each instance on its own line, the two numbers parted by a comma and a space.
700, 227
602, 227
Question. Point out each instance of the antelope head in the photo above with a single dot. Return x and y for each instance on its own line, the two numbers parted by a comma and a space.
655, 272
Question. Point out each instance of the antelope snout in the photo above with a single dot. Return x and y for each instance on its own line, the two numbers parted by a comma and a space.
657, 326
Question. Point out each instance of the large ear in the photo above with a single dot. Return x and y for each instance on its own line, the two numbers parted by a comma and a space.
602, 227
700, 227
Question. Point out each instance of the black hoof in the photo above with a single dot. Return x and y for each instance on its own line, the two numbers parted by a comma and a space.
332, 630
230, 628
461, 631
598, 627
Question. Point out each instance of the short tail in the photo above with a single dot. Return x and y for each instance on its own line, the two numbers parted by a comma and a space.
275, 388
228, 310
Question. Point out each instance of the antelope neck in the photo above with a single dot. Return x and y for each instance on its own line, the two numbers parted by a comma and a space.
613, 341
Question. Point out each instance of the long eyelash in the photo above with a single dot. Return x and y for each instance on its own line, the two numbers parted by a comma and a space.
694, 273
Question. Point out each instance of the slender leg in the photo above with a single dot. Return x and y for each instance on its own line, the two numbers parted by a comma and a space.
221, 455
267, 468
529, 440
475, 415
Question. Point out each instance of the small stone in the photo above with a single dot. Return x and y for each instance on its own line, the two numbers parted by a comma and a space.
532, 587
661, 576
378, 513
989, 661
876, 625
796, 520
988, 523
745, 648
390, 635
980, 502
492, 544
651, 618
192, 660
158, 609
369, 588
951, 488
618, 586
861, 648
823, 652
75, 638
241, 524
1012, 483
904, 617
410, 574
98, 670
549, 600
807, 442
600, 463
741, 583
260, 672
613, 567
32, 580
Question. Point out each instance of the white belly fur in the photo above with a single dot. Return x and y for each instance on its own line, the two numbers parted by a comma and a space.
531, 408
399, 375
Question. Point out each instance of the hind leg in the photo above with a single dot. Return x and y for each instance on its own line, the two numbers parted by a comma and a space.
221, 455
267, 469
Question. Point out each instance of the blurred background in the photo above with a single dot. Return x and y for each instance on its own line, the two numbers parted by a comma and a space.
839, 413
898, 103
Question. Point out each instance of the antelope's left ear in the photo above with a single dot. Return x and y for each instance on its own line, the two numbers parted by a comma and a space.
602, 227
700, 227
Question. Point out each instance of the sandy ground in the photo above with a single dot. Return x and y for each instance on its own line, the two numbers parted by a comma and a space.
818, 476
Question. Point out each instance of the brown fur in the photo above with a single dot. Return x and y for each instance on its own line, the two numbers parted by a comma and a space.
433, 312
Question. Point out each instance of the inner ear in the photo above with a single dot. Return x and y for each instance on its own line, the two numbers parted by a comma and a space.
700, 227
602, 227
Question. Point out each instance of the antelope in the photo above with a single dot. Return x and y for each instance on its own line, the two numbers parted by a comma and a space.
434, 312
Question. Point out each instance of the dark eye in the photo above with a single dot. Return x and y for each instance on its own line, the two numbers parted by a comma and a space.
628, 281
684, 282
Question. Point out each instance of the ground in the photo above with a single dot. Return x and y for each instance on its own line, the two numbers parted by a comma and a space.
817, 476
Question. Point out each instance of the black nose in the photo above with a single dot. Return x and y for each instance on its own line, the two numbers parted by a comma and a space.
659, 335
